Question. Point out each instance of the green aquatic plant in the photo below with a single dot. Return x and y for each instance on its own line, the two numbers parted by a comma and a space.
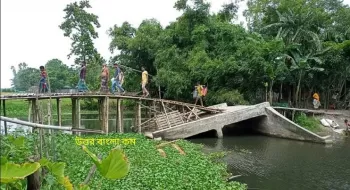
115, 166
11, 172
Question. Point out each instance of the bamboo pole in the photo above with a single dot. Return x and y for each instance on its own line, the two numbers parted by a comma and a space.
49, 113
59, 112
119, 117
167, 118
78, 117
139, 116
29, 111
106, 114
74, 113
122, 116
99, 109
4, 113
135, 116
34, 125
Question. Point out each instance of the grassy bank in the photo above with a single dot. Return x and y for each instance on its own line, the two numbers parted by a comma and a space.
148, 169
309, 123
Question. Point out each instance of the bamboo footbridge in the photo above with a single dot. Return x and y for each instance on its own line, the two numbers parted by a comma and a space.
159, 114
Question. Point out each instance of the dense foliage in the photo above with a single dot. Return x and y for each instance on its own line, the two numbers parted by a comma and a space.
148, 169
290, 50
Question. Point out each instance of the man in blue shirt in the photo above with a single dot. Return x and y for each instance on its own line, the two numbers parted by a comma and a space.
117, 79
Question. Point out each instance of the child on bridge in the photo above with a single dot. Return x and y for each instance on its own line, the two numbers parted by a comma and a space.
198, 93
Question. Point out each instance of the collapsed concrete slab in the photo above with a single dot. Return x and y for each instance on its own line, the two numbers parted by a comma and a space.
275, 124
270, 123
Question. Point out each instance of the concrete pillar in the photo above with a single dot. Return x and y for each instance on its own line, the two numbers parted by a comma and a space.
219, 133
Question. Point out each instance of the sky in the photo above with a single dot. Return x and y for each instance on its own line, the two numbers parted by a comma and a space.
30, 32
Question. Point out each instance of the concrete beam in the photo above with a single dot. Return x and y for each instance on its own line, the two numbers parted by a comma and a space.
275, 124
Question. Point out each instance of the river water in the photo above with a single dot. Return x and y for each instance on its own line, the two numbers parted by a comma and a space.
267, 163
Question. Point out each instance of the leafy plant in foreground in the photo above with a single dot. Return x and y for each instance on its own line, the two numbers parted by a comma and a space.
115, 166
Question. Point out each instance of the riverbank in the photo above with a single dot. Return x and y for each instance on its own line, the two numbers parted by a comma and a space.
148, 169
313, 123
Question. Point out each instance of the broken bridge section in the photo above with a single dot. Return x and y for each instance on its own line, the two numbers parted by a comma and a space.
203, 122
175, 126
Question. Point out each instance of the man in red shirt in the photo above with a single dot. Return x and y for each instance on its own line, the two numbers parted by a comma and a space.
43, 86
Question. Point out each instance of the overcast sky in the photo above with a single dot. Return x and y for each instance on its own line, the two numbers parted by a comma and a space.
30, 32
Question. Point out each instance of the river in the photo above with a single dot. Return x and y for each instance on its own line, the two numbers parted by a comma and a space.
267, 163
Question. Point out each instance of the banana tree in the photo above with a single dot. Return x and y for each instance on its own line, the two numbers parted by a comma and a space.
302, 64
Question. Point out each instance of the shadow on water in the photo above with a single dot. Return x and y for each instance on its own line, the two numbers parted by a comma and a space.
268, 163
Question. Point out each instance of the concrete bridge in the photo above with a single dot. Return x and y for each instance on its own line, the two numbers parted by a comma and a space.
268, 122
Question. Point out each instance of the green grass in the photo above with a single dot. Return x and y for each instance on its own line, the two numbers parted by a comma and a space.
148, 169
309, 123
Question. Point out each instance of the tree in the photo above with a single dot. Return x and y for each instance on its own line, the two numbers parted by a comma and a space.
59, 74
79, 26
25, 77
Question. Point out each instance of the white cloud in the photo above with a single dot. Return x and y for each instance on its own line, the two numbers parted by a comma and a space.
30, 32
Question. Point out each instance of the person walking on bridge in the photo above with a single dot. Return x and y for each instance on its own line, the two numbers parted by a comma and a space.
81, 84
199, 89
144, 81
316, 101
43, 85
104, 78
117, 79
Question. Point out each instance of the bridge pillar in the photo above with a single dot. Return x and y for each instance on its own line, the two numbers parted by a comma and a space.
105, 114
219, 133
120, 127
74, 113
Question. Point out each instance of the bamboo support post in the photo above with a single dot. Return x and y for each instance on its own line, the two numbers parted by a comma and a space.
135, 116
59, 112
149, 115
122, 116
49, 113
139, 116
29, 111
35, 114
4, 113
78, 117
119, 116
74, 113
105, 114
99, 109
154, 108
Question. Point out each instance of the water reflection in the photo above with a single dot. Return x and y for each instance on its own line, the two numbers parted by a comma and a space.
271, 163
88, 121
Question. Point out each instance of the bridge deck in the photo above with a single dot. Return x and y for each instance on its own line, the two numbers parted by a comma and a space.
97, 95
